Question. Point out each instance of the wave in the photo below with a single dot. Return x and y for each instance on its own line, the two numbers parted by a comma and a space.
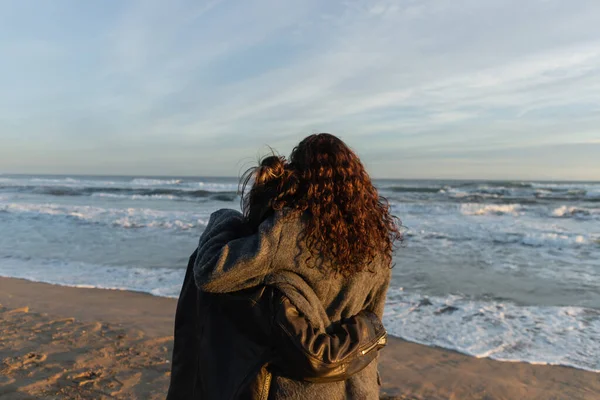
491, 194
136, 197
155, 193
506, 184
158, 281
570, 198
552, 239
496, 329
449, 211
566, 185
491, 209
131, 223
498, 235
209, 184
574, 212
127, 218
55, 180
155, 182
7, 183
414, 189
225, 196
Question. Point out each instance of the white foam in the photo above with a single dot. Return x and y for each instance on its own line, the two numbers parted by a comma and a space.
155, 182
190, 185
165, 282
502, 331
59, 180
491, 209
119, 183
591, 190
456, 193
489, 225
566, 186
122, 217
553, 239
137, 196
577, 212
63, 182
214, 187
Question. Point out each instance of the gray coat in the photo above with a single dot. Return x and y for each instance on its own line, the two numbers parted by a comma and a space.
232, 258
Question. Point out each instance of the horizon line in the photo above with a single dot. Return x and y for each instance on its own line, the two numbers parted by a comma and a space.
238, 177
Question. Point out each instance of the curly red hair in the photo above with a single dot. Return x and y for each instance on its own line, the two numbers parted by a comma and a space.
348, 223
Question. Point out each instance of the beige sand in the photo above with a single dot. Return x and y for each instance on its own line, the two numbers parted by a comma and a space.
73, 343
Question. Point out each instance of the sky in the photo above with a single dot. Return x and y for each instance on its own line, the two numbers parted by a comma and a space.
494, 89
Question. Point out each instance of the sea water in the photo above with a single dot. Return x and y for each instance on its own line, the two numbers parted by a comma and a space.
507, 270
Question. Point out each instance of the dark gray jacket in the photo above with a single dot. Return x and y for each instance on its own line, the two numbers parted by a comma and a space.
231, 258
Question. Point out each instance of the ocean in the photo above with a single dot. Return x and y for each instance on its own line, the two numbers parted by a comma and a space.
507, 270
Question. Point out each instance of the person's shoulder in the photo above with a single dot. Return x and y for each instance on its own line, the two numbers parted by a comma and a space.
226, 213
225, 219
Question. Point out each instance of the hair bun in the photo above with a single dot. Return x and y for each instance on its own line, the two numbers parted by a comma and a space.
271, 167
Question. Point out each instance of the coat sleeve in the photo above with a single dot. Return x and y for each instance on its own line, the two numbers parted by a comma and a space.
231, 258
306, 353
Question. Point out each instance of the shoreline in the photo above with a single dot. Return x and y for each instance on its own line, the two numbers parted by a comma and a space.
409, 370
451, 349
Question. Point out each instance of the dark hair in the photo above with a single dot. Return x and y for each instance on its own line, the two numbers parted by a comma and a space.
348, 223
266, 180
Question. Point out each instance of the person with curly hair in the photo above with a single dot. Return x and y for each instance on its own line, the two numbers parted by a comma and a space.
310, 257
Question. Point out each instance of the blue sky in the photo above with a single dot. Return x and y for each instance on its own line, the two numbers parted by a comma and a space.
420, 89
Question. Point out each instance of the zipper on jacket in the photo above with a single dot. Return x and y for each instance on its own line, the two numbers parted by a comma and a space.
252, 375
382, 341
266, 387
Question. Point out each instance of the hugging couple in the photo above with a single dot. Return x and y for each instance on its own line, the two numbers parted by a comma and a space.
284, 300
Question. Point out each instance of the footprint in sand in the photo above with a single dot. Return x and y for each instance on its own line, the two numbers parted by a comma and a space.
34, 358
25, 362
87, 377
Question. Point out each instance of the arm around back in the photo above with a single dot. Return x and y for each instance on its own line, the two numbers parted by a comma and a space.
233, 258
298, 349
306, 353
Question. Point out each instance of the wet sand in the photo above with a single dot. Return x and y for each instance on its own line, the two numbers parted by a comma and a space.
76, 343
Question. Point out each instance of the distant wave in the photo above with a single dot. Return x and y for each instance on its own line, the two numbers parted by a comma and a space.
505, 184
574, 212
581, 196
136, 197
409, 189
119, 182
477, 209
507, 209
494, 192
553, 239
128, 218
489, 192
155, 182
121, 191
487, 199
528, 239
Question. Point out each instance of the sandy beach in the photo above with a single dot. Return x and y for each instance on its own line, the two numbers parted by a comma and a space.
76, 343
